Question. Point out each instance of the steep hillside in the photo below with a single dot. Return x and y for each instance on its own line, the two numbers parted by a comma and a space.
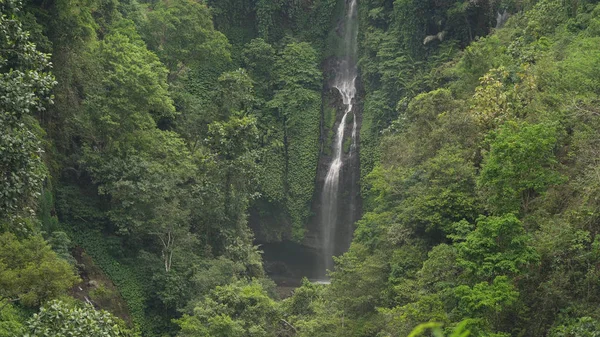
150, 144
483, 203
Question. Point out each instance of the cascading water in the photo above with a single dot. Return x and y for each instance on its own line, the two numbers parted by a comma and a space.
344, 82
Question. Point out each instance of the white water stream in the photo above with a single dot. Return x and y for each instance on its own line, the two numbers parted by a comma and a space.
345, 83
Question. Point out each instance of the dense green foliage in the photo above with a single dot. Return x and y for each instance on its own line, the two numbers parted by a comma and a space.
30, 271
163, 135
155, 134
236, 309
57, 319
25, 88
477, 174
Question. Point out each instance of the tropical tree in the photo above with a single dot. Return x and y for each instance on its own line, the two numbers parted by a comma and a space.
25, 84
519, 166
181, 32
31, 272
58, 319
239, 309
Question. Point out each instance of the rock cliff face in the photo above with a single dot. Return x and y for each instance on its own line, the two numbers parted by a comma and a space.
335, 206
349, 204
286, 262
336, 203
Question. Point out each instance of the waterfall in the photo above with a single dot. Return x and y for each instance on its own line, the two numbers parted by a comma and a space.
345, 78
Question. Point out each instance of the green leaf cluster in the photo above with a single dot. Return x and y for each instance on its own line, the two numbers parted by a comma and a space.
58, 318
